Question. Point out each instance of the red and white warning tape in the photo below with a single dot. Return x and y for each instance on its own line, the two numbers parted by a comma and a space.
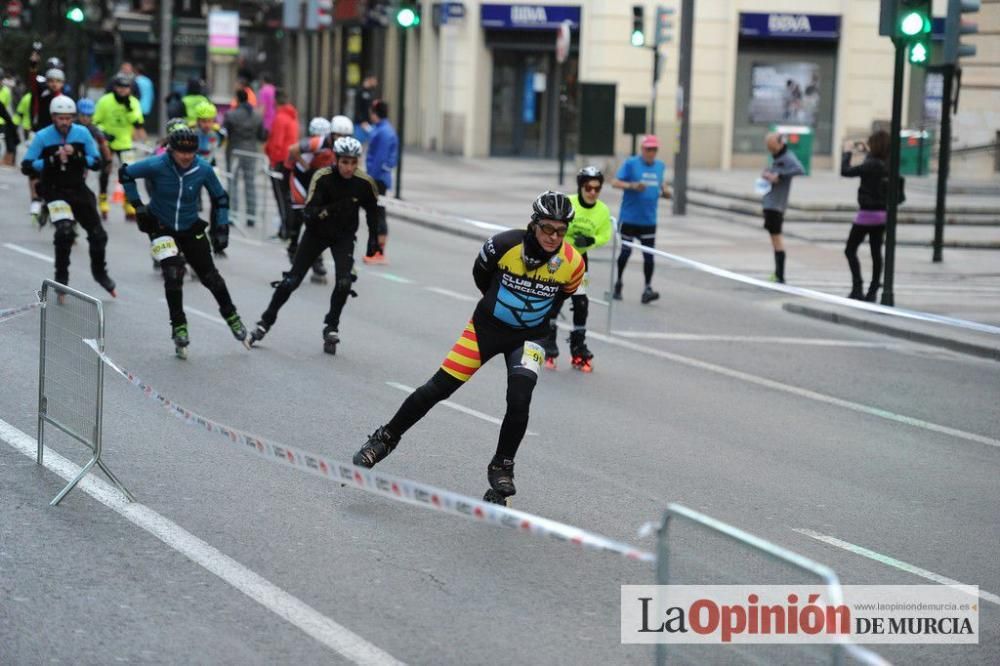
393, 487
8, 313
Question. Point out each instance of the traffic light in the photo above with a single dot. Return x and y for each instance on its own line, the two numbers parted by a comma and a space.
955, 27
913, 27
75, 14
664, 24
638, 35
408, 16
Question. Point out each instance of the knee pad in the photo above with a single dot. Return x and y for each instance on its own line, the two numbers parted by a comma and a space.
213, 280
290, 281
343, 284
174, 270
581, 305
64, 234
519, 390
98, 237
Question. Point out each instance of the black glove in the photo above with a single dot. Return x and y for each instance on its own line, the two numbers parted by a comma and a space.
220, 237
145, 220
580, 240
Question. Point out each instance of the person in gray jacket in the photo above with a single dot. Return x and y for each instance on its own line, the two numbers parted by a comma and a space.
244, 131
784, 166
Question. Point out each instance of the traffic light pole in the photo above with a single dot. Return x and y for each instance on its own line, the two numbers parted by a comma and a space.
944, 159
401, 115
684, 103
892, 205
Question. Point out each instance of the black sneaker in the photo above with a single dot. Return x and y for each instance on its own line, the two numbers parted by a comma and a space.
648, 295
617, 294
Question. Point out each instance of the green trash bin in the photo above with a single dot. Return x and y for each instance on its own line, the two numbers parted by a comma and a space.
915, 152
799, 139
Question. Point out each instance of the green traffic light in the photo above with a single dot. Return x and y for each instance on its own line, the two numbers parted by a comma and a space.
912, 24
638, 39
75, 14
918, 54
407, 18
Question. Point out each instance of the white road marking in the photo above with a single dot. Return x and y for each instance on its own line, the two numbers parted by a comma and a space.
296, 612
30, 253
215, 319
452, 294
458, 408
794, 390
891, 561
695, 337
391, 277
247, 241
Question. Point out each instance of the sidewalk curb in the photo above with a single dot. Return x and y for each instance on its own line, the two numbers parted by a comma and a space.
973, 349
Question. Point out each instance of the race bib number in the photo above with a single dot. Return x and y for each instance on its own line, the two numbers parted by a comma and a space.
163, 247
60, 210
533, 357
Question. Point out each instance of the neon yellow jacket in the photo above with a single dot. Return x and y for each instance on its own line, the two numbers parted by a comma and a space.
5, 100
117, 120
22, 115
594, 222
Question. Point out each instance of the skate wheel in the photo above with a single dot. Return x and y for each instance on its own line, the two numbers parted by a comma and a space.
182, 353
550, 364
493, 497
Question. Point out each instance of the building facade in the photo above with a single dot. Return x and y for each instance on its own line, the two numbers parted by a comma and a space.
483, 78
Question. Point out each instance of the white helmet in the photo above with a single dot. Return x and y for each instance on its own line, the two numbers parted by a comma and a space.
62, 104
319, 126
342, 125
55, 75
347, 146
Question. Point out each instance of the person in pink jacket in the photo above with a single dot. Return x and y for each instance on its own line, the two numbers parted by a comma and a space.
266, 101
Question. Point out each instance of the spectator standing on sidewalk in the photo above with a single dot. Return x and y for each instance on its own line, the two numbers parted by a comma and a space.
265, 100
784, 166
643, 179
870, 219
244, 132
147, 94
383, 153
284, 133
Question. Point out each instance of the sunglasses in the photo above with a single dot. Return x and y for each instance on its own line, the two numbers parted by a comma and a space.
591, 188
549, 229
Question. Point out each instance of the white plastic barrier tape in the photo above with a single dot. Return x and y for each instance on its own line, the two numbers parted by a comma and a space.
721, 272
8, 313
393, 487
819, 295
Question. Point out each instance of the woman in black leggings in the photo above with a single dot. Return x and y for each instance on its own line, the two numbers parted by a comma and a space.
870, 219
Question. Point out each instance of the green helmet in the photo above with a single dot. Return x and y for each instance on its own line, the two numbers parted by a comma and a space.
205, 111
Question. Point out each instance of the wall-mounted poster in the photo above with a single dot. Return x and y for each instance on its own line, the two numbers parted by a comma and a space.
784, 93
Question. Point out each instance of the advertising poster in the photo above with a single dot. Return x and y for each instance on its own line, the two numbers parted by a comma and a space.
784, 93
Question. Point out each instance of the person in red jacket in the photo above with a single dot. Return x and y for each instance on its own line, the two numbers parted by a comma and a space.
284, 133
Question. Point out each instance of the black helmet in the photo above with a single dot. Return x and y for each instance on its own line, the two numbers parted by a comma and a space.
183, 140
552, 206
589, 173
122, 79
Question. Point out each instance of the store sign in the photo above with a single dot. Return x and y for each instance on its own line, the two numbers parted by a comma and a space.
528, 17
223, 32
790, 26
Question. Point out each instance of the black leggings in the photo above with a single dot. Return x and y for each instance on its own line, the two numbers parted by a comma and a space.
81, 200
857, 235
644, 235
105, 176
310, 249
487, 343
195, 249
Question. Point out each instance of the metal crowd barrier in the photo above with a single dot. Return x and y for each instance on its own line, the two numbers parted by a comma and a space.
264, 222
70, 375
840, 655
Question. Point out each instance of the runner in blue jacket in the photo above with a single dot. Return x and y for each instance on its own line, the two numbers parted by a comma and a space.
174, 180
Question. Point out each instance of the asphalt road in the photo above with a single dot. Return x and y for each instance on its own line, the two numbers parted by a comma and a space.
713, 397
